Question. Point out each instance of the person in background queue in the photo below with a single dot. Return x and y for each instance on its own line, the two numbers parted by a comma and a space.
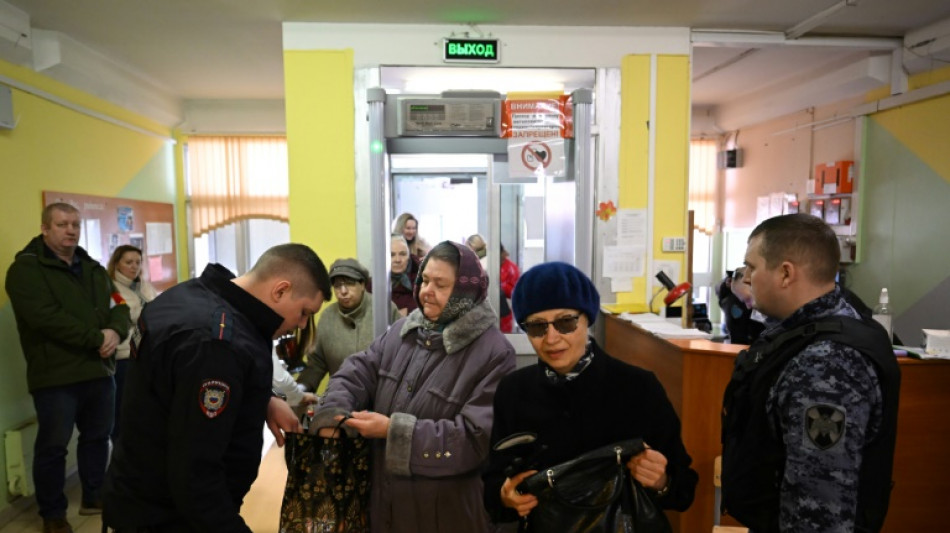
125, 269
70, 321
199, 390
345, 326
288, 350
743, 323
403, 271
407, 226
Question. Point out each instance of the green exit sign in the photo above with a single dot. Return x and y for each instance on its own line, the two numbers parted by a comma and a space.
470, 50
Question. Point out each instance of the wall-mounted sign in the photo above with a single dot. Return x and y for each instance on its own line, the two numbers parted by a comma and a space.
470, 50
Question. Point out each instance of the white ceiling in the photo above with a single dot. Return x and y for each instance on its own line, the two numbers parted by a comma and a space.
232, 49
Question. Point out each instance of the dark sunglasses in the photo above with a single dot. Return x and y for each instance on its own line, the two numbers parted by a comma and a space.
563, 325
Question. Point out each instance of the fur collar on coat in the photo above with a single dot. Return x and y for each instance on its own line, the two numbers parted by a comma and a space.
462, 331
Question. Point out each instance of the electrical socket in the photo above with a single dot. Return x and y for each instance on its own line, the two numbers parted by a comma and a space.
671, 268
674, 244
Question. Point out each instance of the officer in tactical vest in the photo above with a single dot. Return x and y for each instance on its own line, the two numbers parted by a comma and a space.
810, 415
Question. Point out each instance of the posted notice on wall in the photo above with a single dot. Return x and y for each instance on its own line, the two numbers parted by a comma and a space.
631, 227
158, 238
623, 261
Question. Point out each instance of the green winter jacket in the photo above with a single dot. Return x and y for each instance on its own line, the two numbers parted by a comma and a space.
60, 317
339, 335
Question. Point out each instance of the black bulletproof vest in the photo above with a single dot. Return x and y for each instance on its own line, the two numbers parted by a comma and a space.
754, 457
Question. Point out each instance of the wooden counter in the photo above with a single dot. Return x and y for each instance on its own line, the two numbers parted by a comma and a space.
695, 374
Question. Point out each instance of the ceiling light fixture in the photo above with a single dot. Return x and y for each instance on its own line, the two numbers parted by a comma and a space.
815, 20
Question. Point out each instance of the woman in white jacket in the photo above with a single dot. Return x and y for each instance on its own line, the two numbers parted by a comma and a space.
125, 268
291, 348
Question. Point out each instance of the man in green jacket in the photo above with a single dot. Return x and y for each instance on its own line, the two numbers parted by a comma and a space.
70, 320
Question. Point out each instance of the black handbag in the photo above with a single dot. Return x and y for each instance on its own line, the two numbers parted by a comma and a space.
593, 493
328, 484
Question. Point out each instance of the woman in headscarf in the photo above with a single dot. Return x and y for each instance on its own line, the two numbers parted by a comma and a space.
423, 392
407, 226
578, 398
403, 269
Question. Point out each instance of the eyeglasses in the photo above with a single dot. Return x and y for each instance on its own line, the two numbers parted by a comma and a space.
563, 325
340, 282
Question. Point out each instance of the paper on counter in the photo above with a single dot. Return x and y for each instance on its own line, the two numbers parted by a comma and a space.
937, 342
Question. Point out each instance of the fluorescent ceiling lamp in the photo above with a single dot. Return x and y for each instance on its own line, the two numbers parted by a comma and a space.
815, 20
488, 80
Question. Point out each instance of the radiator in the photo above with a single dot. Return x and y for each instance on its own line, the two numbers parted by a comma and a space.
18, 443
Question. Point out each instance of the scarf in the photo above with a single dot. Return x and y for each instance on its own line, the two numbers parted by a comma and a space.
471, 287
401, 279
554, 378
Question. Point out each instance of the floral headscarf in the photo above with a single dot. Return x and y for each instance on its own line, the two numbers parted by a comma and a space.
471, 286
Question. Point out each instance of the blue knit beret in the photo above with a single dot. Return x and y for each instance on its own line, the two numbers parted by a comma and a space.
554, 286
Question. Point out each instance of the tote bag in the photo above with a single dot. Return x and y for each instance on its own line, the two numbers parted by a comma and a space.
328, 484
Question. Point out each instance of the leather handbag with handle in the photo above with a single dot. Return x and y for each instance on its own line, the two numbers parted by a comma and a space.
593, 493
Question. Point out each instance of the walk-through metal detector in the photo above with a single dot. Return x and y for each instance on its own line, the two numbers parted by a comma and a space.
469, 123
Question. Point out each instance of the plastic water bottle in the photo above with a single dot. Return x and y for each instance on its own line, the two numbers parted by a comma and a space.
882, 313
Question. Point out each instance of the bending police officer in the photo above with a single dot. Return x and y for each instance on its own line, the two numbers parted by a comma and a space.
198, 390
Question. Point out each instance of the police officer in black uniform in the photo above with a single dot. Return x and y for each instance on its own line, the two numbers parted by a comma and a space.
810, 415
199, 390
735, 302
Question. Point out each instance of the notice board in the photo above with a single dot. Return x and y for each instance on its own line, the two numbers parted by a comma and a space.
110, 222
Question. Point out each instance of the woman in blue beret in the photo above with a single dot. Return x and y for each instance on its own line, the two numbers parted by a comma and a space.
578, 398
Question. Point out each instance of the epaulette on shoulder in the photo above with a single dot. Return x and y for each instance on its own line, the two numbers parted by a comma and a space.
222, 324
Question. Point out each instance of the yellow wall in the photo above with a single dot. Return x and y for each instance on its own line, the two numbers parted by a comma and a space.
53, 147
671, 152
318, 88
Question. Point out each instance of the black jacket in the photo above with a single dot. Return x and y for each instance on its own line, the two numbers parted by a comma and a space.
608, 402
195, 402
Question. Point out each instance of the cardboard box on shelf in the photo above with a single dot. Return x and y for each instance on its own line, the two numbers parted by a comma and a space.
819, 179
834, 178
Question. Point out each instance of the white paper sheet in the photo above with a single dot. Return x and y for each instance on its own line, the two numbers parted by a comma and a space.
158, 238
632, 227
621, 284
623, 261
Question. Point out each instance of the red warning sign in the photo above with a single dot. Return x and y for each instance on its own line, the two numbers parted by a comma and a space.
551, 118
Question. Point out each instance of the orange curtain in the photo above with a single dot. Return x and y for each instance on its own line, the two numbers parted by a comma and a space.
702, 184
236, 178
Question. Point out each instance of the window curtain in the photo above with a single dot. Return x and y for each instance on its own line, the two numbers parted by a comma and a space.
702, 184
236, 178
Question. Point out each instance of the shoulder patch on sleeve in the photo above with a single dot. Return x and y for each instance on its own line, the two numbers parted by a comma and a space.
213, 397
824, 426
222, 324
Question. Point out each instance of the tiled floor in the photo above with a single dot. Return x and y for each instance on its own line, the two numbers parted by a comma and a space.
261, 508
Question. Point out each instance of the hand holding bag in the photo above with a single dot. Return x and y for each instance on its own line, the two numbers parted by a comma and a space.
328, 482
593, 493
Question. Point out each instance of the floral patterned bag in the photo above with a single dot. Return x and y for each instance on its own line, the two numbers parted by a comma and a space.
328, 483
